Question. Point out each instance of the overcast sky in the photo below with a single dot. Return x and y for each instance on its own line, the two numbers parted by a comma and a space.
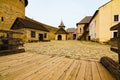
51, 12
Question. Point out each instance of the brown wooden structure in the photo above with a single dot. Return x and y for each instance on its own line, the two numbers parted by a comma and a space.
116, 41
111, 65
42, 67
8, 44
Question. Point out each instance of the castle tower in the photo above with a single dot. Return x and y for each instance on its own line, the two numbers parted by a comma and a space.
9, 11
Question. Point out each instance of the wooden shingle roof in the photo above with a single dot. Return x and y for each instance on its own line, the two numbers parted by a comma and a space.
24, 23
85, 20
71, 30
115, 27
49, 27
61, 31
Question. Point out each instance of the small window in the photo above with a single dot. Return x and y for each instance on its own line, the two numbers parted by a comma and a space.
80, 30
115, 34
45, 35
2, 19
33, 34
116, 18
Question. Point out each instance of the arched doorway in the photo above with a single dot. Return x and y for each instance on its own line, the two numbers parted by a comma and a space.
59, 37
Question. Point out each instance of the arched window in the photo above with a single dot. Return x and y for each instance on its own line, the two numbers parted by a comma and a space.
80, 30
2, 19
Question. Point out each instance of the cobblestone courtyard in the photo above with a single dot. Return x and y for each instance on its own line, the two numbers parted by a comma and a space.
72, 49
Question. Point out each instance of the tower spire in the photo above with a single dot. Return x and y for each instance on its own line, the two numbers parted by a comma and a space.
61, 24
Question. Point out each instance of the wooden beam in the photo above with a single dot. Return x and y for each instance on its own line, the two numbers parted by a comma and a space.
112, 66
14, 51
119, 45
10, 31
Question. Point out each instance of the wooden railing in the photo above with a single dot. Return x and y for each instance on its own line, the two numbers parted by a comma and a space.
9, 44
110, 64
114, 44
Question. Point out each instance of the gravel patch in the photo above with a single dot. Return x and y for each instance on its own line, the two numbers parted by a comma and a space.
72, 49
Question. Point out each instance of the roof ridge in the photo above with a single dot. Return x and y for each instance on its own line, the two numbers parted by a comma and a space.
28, 24
38, 21
85, 20
105, 4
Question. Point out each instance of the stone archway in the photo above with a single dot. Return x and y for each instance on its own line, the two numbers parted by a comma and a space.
59, 37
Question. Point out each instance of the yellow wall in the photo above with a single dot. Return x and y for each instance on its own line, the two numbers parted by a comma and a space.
9, 10
94, 28
104, 20
64, 36
26, 37
70, 36
51, 35
78, 33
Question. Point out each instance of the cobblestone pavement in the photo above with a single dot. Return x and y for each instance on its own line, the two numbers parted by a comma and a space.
72, 49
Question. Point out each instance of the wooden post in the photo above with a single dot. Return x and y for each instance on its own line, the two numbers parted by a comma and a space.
119, 45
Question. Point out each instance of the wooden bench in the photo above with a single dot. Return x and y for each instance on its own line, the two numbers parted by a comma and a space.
110, 64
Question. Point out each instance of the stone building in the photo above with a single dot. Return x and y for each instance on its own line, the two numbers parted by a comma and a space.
9, 11
71, 33
12, 17
106, 16
32, 31
61, 33
82, 32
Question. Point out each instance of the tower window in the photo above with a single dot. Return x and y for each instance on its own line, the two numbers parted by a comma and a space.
116, 17
2, 19
80, 30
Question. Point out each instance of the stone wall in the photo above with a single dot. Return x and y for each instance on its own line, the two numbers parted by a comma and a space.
9, 10
80, 30
26, 36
